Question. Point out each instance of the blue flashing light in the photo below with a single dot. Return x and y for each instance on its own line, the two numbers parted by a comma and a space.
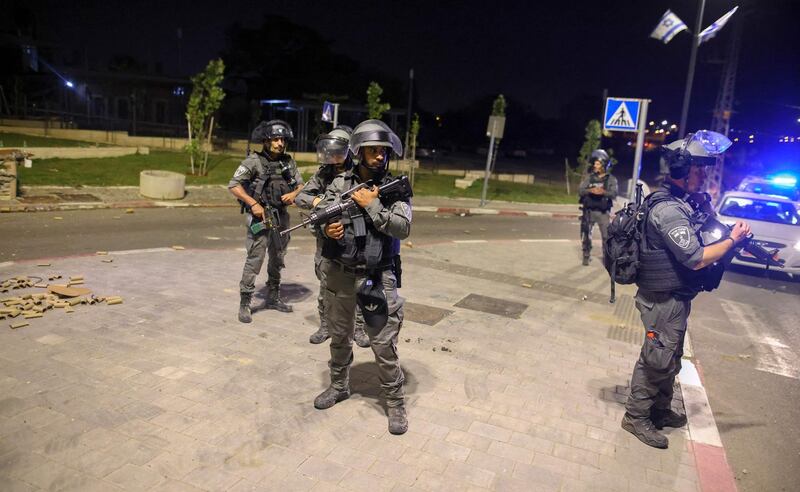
69, 83
784, 180
275, 101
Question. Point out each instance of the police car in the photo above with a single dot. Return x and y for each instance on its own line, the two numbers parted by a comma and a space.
775, 223
779, 184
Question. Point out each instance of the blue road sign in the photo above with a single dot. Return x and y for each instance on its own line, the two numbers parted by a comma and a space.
327, 111
622, 114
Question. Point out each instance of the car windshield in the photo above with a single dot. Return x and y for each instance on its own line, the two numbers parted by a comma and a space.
769, 189
761, 209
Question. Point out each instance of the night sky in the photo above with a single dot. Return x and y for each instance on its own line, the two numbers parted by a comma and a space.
545, 54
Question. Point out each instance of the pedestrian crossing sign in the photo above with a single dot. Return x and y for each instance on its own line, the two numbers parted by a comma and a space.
621, 114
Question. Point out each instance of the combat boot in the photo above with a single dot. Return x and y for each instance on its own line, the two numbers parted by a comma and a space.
245, 316
330, 397
361, 338
586, 260
667, 418
398, 421
645, 431
274, 300
320, 335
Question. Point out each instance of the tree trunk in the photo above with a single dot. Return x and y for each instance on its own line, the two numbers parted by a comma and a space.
191, 153
208, 146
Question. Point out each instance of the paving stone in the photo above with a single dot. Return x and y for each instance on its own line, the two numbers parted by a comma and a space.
490, 431
135, 477
424, 460
402, 473
469, 473
174, 466
511, 452
210, 478
446, 450
170, 485
468, 440
321, 469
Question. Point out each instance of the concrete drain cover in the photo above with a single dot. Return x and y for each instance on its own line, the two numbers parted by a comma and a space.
492, 305
426, 315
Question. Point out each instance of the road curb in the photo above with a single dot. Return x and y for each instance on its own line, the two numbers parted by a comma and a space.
490, 211
55, 207
713, 470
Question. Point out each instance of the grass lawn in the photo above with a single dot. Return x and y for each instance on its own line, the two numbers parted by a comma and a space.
124, 171
438, 185
16, 140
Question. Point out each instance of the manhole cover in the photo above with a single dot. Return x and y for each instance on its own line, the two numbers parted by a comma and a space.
492, 305
426, 315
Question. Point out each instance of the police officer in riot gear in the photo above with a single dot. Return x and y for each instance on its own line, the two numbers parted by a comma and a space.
674, 267
266, 182
597, 192
363, 248
334, 157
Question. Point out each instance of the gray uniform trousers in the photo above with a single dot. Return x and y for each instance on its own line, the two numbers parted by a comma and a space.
320, 268
258, 246
601, 219
340, 295
660, 358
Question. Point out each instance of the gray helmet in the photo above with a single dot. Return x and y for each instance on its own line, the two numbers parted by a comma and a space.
271, 129
375, 133
333, 147
696, 149
602, 156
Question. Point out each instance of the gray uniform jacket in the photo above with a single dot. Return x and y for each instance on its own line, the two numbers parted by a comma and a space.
394, 221
257, 165
611, 190
315, 187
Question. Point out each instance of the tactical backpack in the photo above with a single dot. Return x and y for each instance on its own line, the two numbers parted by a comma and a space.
621, 248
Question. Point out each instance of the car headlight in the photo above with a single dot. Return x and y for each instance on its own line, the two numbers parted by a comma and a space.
797, 246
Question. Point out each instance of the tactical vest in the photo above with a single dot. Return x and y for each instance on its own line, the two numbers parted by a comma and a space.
597, 202
270, 184
362, 243
660, 271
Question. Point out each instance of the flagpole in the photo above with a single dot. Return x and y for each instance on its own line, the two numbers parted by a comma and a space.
690, 76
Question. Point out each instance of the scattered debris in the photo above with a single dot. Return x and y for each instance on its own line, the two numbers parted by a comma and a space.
584, 298
178, 248
408, 340
528, 286
101, 253
128, 211
18, 282
43, 264
110, 260
744, 356
58, 218
409, 244
14, 326
445, 349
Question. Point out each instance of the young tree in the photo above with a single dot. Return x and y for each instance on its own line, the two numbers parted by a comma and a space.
591, 143
206, 98
375, 108
499, 106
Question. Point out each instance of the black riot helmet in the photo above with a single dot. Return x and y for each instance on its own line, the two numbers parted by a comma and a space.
267, 130
696, 149
333, 148
602, 156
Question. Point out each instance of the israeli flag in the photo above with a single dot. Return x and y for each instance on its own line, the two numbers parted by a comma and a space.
712, 30
668, 27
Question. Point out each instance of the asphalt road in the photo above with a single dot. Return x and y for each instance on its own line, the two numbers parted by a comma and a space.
744, 335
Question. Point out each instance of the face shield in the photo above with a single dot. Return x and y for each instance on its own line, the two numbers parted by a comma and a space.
331, 151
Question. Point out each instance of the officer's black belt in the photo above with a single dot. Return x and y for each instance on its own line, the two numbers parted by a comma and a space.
361, 269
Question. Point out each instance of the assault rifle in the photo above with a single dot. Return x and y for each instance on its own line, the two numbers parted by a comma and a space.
400, 188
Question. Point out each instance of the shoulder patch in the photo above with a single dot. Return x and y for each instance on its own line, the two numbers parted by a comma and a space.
680, 235
406, 210
239, 171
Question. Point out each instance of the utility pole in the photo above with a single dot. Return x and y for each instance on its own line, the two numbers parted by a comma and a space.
687, 95
408, 110
721, 121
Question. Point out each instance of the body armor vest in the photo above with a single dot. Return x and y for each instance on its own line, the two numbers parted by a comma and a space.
362, 243
660, 271
270, 185
597, 202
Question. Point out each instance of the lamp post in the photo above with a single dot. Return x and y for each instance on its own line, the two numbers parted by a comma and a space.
687, 95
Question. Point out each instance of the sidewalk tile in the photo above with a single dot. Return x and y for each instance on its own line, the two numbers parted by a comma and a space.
358, 481
511, 452
321, 469
490, 431
446, 450
469, 473
210, 478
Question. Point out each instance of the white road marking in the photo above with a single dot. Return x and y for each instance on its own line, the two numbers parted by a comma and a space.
137, 251
470, 241
213, 238
546, 240
6, 264
773, 356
